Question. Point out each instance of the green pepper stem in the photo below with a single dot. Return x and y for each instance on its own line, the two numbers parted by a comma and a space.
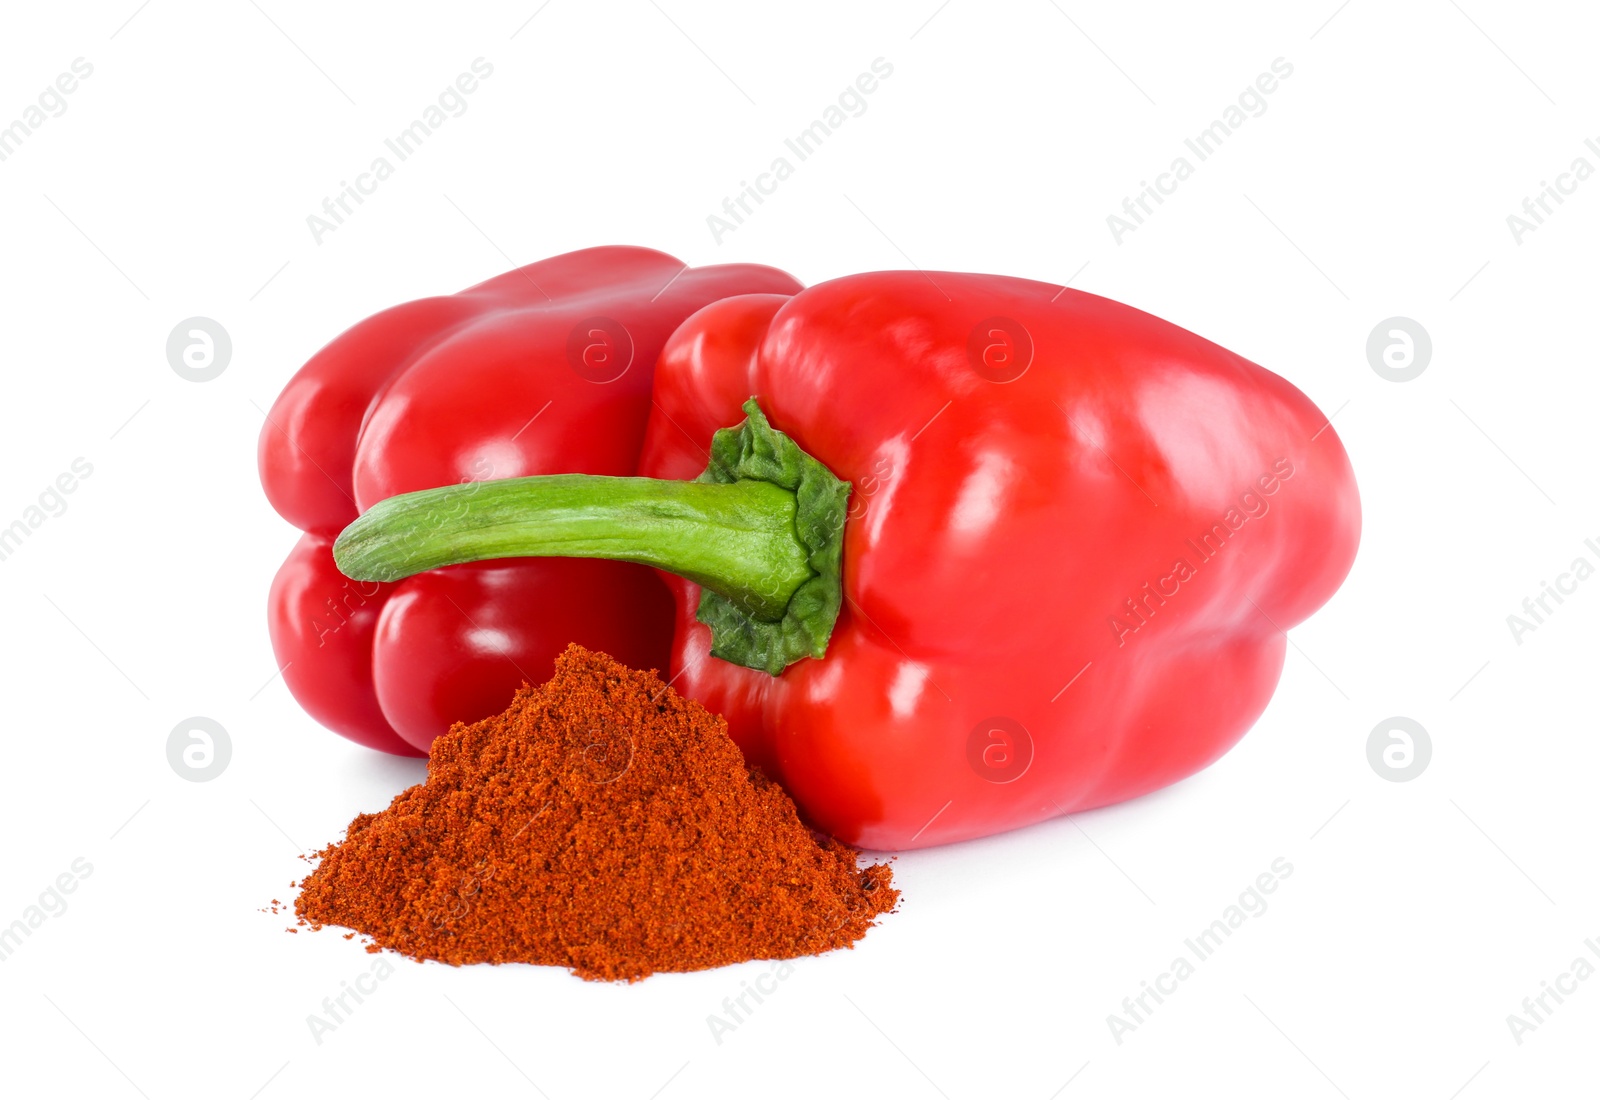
737, 539
761, 531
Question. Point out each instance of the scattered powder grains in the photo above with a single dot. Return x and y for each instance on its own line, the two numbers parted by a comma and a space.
602, 823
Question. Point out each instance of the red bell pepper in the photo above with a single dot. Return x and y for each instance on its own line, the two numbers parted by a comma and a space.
543, 369
1076, 537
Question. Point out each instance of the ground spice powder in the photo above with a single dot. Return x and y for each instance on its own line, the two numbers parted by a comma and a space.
602, 823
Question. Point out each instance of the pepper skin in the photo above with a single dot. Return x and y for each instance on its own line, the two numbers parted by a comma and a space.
1003, 530
544, 369
1072, 539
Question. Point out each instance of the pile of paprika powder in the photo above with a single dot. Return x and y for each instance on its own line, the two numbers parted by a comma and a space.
602, 823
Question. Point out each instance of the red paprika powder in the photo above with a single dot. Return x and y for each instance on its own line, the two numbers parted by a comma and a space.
603, 823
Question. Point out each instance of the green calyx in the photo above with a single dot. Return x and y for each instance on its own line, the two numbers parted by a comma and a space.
761, 531
756, 451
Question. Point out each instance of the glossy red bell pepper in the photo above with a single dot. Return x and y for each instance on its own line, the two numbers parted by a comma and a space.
541, 370
1074, 537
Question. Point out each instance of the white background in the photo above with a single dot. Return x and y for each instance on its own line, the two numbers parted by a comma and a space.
1418, 915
